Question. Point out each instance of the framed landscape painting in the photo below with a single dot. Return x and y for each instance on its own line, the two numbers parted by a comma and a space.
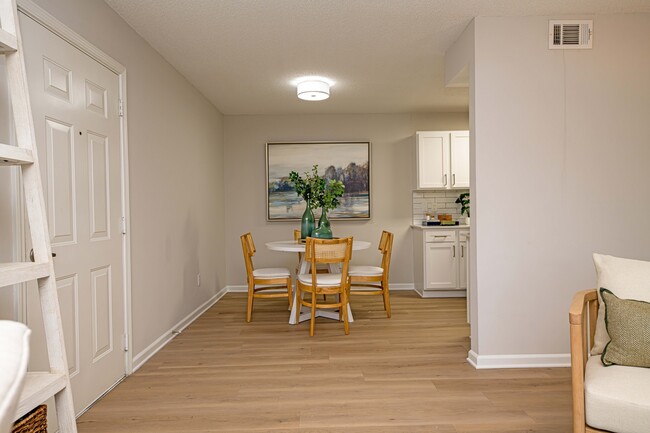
347, 161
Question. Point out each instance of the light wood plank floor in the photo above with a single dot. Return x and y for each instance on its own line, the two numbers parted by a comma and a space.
406, 374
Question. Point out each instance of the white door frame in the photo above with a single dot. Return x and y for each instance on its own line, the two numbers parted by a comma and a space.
42, 17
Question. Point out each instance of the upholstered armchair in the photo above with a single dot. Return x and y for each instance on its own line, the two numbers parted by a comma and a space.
612, 398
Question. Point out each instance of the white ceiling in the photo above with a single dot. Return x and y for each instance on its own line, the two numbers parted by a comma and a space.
386, 56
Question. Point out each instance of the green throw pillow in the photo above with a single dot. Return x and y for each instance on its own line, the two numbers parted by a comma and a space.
628, 325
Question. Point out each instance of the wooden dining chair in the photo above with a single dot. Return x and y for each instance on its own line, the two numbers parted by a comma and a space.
321, 269
328, 251
269, 278
374, 279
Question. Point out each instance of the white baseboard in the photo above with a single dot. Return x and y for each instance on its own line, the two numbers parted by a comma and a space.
398, 287
519, 361
443, 294
153, 348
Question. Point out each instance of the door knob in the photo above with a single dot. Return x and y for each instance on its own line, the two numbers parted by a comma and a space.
31, 254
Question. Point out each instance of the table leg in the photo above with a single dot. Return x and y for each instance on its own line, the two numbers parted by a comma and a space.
303, 269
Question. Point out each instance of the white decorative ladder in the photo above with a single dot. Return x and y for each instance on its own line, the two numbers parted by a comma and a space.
39, 386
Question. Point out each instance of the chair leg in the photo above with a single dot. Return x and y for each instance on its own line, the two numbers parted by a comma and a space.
313, 314
386, 294
249, 311
338, 299
344, 309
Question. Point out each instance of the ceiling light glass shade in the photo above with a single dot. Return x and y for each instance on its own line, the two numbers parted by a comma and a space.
313, 90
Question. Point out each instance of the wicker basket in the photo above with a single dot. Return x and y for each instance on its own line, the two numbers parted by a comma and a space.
34, 422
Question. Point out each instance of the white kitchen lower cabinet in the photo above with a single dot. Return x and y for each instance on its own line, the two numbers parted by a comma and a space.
440, 261
463, 259
440, 266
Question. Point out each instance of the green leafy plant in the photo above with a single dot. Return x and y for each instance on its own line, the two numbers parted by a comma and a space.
328, 197
308, 187
463, 200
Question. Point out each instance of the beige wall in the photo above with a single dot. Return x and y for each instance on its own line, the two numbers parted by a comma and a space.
392, 162
176, 174
460, 56
562, 144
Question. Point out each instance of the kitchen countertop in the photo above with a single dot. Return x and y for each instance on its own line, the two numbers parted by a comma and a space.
461, 226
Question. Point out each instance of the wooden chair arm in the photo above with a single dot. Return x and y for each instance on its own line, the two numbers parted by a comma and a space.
577, 310
582, 313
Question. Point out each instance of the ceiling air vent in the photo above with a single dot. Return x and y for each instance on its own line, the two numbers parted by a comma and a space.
570, 34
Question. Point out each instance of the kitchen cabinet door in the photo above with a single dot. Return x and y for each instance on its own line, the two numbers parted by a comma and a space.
432, 159
441, 266
459, 143
462, 265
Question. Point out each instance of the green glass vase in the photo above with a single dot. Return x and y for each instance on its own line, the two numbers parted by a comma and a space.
307, 223
324, 231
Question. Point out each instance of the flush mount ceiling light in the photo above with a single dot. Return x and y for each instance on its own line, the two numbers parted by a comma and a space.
313, 89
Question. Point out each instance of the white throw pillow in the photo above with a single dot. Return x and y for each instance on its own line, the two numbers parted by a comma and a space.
14, 354
627, 279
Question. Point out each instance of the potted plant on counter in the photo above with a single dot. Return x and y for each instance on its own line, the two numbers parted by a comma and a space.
463, 200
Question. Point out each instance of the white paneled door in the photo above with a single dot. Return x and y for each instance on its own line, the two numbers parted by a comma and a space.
75, 106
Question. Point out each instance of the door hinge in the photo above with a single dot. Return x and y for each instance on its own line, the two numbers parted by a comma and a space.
120, 108
123, 225
125, 342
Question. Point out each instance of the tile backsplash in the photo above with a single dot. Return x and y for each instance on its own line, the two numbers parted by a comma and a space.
436, 202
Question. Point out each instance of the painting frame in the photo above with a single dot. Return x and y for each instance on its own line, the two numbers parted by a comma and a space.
355, 207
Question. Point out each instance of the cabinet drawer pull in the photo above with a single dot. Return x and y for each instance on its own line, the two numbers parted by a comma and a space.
439, 236
454, 251
453, 179
445, 180
462, 250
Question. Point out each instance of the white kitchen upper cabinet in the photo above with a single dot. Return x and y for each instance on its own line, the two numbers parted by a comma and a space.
459, 144
432, 160
442, 160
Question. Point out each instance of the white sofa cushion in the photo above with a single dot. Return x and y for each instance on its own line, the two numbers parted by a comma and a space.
14, 341
625, 278
366, 271
617, 397
322, 280
271, 273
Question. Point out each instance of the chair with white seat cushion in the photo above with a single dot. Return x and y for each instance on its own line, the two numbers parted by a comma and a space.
14, 349
267, 278
329, 252
612, 398
374, 278
322, 269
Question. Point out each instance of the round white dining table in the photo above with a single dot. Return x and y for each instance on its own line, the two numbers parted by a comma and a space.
294, 246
